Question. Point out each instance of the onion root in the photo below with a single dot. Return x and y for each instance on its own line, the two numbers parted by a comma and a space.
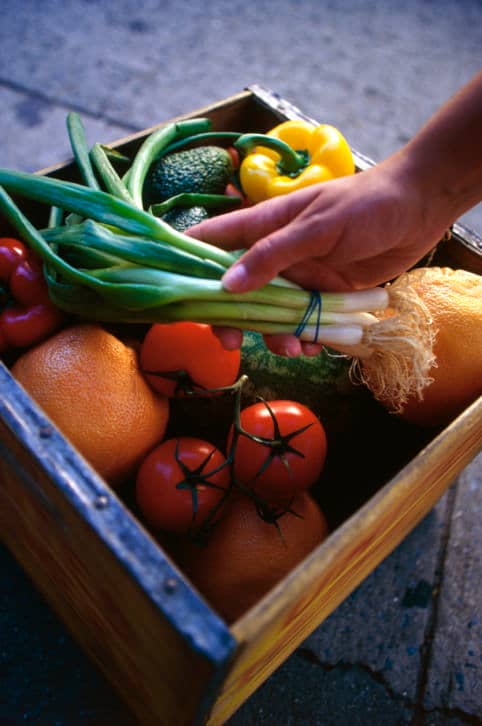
397, 353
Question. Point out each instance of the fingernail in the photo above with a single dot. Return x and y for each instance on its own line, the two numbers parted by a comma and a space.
289, 348
292, 349
235, 278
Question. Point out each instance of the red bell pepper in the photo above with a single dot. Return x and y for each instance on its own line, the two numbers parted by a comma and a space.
28, 314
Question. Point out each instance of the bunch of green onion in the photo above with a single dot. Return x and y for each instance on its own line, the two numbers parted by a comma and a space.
108, 259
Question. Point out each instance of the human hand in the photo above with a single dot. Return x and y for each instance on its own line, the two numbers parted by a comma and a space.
350, 233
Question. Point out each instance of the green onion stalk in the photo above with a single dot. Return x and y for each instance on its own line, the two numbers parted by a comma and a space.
107, 259
122, 264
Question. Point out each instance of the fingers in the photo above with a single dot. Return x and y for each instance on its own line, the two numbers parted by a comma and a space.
311, 349
231, 338
230, 231
260, 264
288, 249
290, 346
286, 345
240, 229
318, 274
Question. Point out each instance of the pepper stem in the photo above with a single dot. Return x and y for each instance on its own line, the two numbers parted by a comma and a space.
291, 161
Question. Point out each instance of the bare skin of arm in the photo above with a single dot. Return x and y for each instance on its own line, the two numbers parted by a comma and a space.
359, 231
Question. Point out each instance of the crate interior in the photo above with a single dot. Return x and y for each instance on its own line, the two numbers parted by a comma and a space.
366, 445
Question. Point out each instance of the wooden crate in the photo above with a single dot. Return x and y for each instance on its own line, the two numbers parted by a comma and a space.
121, 595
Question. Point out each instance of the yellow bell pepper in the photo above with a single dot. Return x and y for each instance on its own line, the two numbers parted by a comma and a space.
292, 155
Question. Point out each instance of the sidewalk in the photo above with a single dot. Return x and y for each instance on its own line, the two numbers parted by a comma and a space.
406, 647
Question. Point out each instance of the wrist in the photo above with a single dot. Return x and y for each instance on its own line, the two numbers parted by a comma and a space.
441, 190
445, 157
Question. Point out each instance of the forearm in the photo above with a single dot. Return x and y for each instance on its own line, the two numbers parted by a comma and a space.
444, 158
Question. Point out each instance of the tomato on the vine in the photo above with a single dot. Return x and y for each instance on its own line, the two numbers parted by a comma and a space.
176, 357
27, 315
23, 327
286, 455
180, 482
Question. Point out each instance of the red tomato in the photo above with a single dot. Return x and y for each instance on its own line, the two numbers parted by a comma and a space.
12, 251
27, 282
288, 455
187, 356
23, 327
180, 482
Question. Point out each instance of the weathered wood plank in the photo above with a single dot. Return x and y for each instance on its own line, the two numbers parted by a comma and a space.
104, 576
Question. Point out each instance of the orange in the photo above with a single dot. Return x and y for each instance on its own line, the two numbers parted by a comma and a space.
454, 299
90, 385
245, 556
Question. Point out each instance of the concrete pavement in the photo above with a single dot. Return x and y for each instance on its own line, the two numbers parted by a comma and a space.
406, 647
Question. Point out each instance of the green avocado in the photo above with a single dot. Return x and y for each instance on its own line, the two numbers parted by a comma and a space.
202, 170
